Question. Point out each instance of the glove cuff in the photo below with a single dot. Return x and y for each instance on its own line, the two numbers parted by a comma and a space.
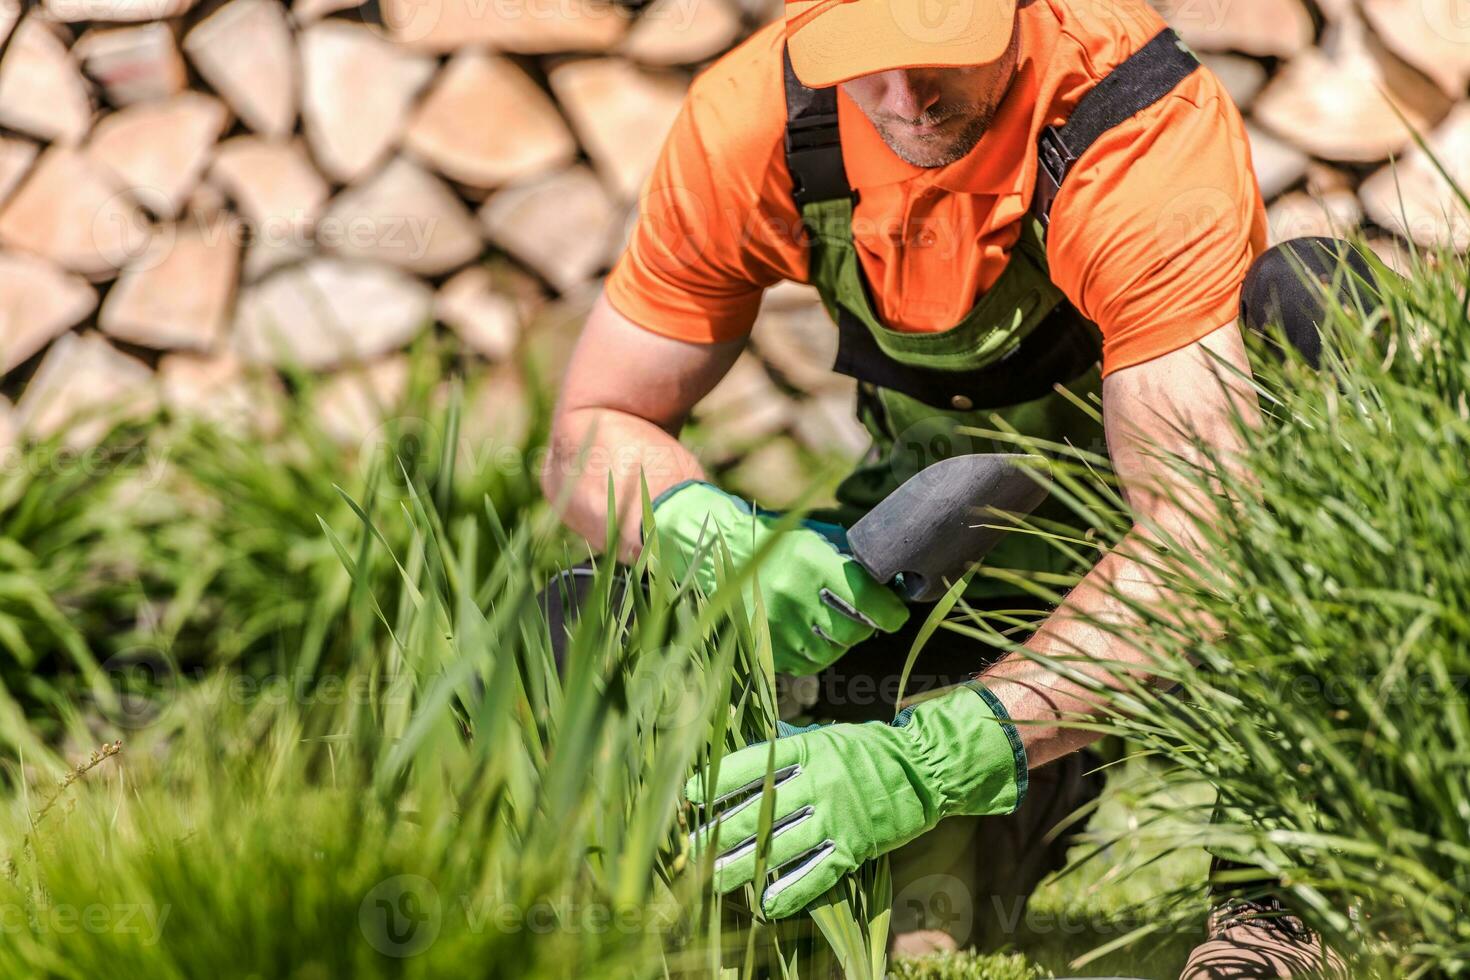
971, 751
692, 511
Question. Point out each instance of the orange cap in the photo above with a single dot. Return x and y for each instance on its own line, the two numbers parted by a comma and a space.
832, 41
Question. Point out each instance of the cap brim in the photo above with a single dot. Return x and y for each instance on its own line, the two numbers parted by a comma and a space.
850, 38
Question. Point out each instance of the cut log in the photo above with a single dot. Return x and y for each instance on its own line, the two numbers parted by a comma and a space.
244, 51
485, 123
16, 157
528, 27
1324, 179
559, 226
1338, 102
1394, 253
827, 424
119, 11
774, 475
1277, 164
353, 404
83, 388
69, 210
1298, 215
206, 204
743, 410
279, 193
327, 312
220, 389
1242, 77
1431, 35
1413, 199
133, 64
42, 92
262, 257
497, 414
549, 339
177, 295
485, 320
763, 12
1265, 28
38, 303
9, 17
675, 32
357, 92
270, 181
9, 428
157, 151
799, 343
310, 11
403, 215
622, 115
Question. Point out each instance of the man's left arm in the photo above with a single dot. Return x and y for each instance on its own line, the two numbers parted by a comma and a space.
1183, 405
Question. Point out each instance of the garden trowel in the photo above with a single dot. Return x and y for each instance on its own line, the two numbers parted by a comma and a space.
926, 534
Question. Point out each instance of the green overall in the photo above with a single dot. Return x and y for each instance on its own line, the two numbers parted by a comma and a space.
1022, 336
909, 434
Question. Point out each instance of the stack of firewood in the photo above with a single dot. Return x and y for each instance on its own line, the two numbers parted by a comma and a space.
194, 189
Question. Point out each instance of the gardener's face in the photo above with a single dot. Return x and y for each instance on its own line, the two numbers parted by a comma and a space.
931, 117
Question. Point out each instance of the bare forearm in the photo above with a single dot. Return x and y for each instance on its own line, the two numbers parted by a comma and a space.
1174, 406
591, 446
1091, 633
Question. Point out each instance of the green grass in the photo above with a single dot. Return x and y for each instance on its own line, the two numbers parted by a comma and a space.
1330, 710
346, 751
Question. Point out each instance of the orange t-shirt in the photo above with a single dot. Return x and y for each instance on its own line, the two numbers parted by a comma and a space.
1150, 236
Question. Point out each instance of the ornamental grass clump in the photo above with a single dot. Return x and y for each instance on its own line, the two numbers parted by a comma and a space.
415, 790
1328, 622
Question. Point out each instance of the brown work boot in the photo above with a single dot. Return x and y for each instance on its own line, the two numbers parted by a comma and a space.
1251, 940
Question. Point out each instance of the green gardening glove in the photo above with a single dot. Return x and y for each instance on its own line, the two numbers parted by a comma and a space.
848, 793
818, 600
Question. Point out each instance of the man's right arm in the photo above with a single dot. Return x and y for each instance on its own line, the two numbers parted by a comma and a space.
627, 393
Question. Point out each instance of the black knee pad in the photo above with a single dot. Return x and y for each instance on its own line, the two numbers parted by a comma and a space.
561, 601
1287, 286
563, 598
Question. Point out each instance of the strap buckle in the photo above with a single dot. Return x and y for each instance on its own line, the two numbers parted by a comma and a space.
1054, 159
814, 157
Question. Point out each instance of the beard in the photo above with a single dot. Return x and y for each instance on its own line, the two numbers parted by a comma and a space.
930, 150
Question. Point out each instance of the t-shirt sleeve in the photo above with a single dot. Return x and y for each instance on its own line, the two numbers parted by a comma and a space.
701, 251
1157, 223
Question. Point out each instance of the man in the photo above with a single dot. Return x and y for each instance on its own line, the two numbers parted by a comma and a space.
990, 197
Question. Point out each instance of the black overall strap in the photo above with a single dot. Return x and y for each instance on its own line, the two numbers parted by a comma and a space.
813, 146
1144, 78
